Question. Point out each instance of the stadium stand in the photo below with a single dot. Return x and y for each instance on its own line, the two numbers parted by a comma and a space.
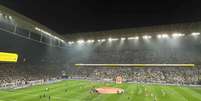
39, 61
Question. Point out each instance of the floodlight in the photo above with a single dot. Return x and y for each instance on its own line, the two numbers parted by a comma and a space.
123, 38
80, 41
10, 17
195, 33
103, 40
175, 35
133, 38
162, 36
90, 41
70, 42
112, 39
146, 37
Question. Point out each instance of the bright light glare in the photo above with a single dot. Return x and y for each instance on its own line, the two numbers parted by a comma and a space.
80, 41
70, 42
133, 38
49, 34
177, 35
101, 40
146, 37
195, 33
90, 41
122, 39
162, 36
10, 17
112, 39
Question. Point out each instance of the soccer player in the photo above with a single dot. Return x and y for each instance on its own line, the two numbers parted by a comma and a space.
155, 98
44, 95
49, 98
128, 98
40, 97
65, 90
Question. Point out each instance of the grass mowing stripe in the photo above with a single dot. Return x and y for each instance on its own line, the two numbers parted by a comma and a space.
188, 94
163, 93
24, 94
175, 95
27, 90
129, 92
150, 92
76, 91
140, 93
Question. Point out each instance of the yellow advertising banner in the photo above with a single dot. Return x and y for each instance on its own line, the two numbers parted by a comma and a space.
8, 57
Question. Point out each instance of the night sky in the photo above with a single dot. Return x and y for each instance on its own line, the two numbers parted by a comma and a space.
72, 16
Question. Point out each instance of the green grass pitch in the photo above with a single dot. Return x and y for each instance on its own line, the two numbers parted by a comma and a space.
79, 90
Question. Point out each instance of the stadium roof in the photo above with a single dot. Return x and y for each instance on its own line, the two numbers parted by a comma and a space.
27, 23
186, 28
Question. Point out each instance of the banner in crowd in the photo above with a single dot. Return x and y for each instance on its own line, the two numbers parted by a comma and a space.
8, 57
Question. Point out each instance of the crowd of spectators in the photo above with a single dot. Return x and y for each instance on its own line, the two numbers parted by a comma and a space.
20, 74
171, 75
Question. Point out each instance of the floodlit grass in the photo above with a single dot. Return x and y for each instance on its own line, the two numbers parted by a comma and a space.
79, 90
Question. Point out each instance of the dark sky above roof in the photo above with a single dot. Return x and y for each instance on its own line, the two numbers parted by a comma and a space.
70, 16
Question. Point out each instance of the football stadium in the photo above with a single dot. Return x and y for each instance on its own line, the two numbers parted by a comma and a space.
153, 63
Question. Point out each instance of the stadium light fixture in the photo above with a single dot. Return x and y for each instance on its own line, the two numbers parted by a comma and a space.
133, 38
59, 39
112, 39
90, 41
103, 40
176, 35
63, 41
109, 39
70, 42
49, 34
195, 33
80, 41
123, 38
10, 17
162, 36
159, 36
146, 37
40, 30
